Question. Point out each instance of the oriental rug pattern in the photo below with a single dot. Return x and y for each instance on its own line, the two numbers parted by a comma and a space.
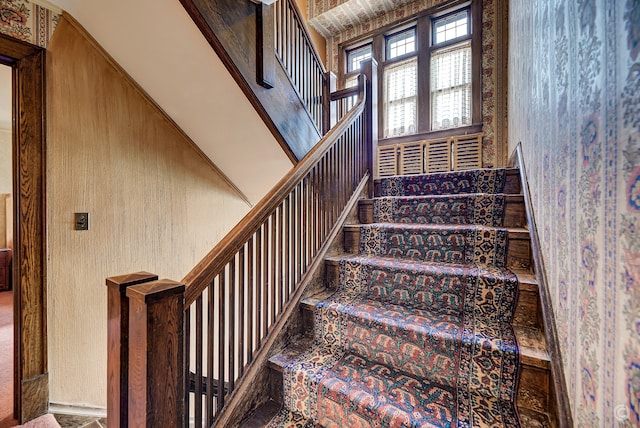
418, 332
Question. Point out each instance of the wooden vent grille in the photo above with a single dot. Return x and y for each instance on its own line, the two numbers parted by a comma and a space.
387, 161
422, 157
467, 152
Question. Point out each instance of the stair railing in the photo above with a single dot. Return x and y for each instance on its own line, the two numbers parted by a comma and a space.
178, 352
298, 56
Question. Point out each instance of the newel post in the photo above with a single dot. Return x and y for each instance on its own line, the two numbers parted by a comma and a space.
370, 69
328, 86
118, 346
156, 354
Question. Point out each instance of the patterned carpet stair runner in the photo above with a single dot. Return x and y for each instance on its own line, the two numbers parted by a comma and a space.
418, 333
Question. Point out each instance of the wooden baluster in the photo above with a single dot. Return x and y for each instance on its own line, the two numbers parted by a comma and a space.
306, 221
187, 365
259, 285
265, 312
286, 249
118, 346
281, 256
316, 214
242, 291
232, 324
211, 334
300, 244
221, 332
250, 306
156, 370
199, 352
273, 268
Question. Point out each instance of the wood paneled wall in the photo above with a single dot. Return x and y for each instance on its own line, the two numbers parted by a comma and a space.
154, 203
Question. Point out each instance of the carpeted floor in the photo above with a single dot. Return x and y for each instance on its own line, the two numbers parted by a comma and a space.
419, 331
6, 359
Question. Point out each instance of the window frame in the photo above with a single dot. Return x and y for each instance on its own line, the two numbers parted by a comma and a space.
425, 32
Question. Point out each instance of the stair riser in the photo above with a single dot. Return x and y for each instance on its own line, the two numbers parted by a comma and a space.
527, 313
518, 253
512, 185
514, 215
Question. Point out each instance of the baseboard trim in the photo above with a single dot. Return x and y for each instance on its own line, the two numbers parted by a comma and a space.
77, 410
561, 404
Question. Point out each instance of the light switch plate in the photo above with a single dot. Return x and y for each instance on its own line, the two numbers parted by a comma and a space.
82, 221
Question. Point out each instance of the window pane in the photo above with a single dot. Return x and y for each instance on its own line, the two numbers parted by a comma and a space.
451, 27
400, 98
356, 56
451, 86
401, 43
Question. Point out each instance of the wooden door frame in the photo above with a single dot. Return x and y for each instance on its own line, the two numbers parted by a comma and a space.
31, 380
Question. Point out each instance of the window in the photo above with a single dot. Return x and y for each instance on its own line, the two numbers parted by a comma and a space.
451, 27
451, 72
401, 44
356, 56
426, 74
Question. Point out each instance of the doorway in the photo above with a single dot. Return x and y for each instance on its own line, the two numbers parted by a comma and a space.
6, 247
28, 270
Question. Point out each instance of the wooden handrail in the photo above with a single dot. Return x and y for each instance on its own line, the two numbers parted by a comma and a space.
344, 93
205, 271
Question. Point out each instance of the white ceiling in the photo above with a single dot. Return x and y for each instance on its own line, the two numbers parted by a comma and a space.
158, 44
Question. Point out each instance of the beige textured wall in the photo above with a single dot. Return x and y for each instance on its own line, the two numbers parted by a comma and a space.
5, 182
154, 205
5, 161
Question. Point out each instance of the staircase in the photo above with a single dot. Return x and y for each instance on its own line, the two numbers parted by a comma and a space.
432, 319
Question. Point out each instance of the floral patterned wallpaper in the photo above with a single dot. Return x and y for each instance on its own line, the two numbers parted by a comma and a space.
574, 103
341, 21
28, 21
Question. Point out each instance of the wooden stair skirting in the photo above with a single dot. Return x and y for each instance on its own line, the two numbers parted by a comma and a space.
560, 405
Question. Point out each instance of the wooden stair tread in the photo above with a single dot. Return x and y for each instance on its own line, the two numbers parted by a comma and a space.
262, 415
531, 341
509, 197
297, 346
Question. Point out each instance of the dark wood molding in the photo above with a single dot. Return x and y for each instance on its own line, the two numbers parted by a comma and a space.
476, 62
370, 74
156, 354
118, 346
560, 404
229, 27
31, 385
265, 60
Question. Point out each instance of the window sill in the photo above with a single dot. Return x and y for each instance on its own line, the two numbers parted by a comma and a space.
432, 135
